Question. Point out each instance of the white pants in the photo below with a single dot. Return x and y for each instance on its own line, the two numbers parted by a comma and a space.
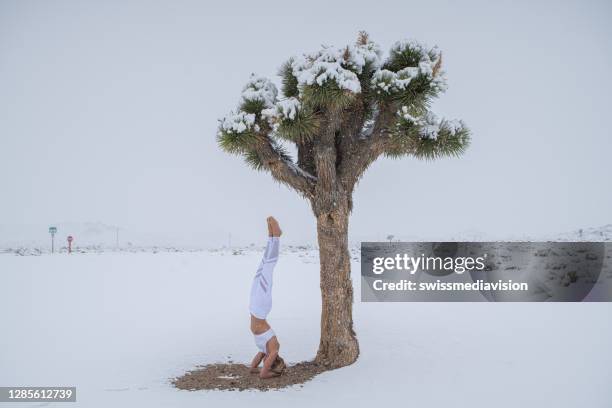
261, 289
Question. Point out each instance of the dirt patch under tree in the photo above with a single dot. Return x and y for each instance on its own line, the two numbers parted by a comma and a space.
231, 376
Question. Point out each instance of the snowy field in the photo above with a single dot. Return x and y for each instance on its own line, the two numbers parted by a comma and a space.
120, 325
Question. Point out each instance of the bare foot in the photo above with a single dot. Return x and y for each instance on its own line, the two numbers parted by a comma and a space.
273, 227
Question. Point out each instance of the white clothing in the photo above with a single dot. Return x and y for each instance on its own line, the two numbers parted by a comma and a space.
261, 289
262, 339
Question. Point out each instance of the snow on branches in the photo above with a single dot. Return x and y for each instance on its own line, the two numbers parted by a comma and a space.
430, 126
338, 65
290, 120
409, 60
361, 91
238, 122
426, 136
260, 90
410, 69
283, 109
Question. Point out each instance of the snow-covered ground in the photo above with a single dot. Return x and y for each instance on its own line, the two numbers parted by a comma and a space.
119, 325
33, 239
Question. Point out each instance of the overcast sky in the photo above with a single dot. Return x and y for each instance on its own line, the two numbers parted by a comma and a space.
108, 112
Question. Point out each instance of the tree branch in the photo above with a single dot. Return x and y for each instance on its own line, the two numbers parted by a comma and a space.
283, 169
368, 146
305, 161
350, 132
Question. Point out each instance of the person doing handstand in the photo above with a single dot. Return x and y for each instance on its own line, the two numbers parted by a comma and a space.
260, 306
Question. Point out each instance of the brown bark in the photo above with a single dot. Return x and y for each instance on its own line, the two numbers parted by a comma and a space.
331, 204
364, 151
282, 170
338, 345
335, 162
305, 156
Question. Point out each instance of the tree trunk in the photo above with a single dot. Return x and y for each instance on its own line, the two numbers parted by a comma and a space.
338, 346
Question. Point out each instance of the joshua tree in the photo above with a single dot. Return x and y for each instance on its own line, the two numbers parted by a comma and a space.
341, 109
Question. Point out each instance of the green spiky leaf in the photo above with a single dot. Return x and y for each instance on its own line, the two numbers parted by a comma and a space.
252, 106
289, 81
235, 143
252, 159
329, 96
304, 126
420, 141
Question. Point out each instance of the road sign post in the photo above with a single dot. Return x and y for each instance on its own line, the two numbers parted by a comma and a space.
70, 243
52, 231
